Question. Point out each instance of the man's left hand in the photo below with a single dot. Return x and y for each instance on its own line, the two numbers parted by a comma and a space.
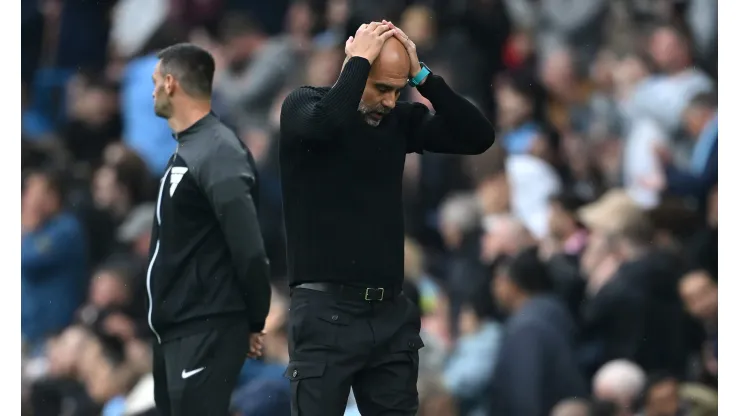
410, 49
255, 344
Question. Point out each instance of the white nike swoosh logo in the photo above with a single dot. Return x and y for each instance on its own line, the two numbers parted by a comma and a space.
187, 374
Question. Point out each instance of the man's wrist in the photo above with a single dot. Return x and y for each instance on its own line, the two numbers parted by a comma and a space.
419, 77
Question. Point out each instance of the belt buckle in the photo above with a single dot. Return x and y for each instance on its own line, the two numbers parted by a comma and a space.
370, 290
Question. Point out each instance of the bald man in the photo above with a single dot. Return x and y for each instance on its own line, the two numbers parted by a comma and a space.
342, 153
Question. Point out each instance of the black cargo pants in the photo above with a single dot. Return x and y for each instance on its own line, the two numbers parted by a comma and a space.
372, 347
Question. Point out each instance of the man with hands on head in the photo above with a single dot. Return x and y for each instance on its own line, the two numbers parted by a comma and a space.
342, 154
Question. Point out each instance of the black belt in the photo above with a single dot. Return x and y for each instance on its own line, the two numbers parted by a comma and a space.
369, 294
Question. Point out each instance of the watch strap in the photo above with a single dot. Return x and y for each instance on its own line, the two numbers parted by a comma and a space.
415, 81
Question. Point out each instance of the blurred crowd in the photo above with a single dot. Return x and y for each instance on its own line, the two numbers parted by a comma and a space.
569, 271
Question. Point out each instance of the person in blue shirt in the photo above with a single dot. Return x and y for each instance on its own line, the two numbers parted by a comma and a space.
700, 121
53, 259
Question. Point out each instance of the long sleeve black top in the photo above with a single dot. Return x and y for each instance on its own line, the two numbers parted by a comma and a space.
341, 178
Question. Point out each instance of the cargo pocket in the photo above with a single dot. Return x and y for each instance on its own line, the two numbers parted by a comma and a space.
329, 325
409, 346
305, 386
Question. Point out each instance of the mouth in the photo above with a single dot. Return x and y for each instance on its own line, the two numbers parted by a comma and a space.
376, 116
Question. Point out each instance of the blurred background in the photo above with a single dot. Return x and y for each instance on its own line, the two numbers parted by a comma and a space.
571, 270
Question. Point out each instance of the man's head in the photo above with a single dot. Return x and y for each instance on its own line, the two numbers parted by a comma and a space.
619, 381
558, 73
460, 215
242, 36
625, 225
563, 221
669, 49
520, 278
700, 111
571, 407
505, 235
111, 285
419, 23
43, 193
388, 76
661, 395
699, 293
184, 73
516, 96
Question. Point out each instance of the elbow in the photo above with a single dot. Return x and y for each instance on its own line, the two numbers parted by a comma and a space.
484, 142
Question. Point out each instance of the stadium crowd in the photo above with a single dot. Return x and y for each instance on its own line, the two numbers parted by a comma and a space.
571, 270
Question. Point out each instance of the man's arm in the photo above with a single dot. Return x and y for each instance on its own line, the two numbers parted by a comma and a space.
227, 179
306, 111
457, 127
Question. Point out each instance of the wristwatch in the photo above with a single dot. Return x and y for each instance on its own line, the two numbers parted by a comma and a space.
415, 81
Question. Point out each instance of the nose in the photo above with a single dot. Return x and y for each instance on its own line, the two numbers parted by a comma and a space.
389, 101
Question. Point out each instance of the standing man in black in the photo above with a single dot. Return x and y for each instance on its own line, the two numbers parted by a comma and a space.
342, 154
208, 275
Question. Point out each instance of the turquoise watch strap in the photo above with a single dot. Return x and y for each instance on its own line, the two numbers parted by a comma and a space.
415, 81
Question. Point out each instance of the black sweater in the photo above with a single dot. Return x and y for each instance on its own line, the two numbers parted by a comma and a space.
341, 178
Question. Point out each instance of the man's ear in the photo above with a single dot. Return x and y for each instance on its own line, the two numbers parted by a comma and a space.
169, 84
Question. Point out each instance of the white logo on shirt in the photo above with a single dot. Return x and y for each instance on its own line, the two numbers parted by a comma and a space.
188, 374
175, 178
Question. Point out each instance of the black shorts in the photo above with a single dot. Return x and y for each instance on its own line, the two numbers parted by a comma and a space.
337, 344
195, 375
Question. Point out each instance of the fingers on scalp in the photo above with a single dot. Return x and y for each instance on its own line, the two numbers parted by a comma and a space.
381, 29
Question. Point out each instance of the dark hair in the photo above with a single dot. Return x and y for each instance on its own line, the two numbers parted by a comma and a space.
113, 348
704, 100
192, 66
527, 272
121, 268
132, 173
56, 180
569, 201
531, 89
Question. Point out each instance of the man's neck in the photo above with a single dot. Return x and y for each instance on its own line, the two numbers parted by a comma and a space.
189, 116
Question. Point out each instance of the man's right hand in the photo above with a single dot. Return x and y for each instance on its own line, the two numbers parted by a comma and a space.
368, 41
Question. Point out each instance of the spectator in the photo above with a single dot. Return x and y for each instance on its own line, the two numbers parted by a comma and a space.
53, 263
620, 382
469, 368
631, 298
563, 247
700, 295
666, 95
460, 229
536, 366
59, 385
661, 396
254, 71
571, 407
701, 122
505, 236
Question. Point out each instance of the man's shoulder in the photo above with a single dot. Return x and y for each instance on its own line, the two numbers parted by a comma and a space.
222, 146
304, 94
